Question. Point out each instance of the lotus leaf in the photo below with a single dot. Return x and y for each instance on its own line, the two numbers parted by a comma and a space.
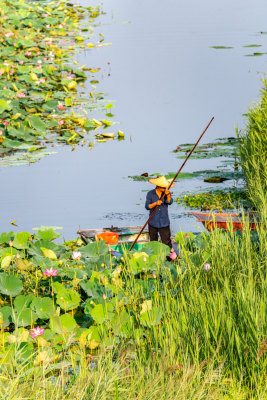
47, 234
5, 316
146, 306
24, 352
5, 237
102, 313
151, 318
92, 337
122, 324
10, 285
64, 324
6, 251
49, 253
37, 123
156, 248
73, 273
92, 289
68, 299
93, 251
21, 240
4, 105
21, 302
24, 265
6, 261
43, 307
24, 318
36, 248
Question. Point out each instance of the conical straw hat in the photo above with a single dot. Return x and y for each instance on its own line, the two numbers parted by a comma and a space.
161, 182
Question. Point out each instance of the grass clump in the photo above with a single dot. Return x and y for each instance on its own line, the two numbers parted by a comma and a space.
253, 153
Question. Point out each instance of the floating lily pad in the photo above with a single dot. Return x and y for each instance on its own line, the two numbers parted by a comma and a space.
221, 47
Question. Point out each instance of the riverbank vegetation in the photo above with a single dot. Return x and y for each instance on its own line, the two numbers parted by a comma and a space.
133, 326
253, 153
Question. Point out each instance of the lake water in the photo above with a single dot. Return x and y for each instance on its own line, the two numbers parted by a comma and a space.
166, 83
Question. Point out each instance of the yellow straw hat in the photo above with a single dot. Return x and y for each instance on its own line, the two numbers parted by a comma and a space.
161, 182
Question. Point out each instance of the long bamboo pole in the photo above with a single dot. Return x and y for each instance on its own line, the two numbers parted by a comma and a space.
162, 198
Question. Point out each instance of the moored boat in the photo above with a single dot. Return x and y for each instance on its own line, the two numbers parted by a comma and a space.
212, 221
125, 237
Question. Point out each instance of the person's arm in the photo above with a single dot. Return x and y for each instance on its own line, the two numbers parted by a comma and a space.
168, 198
150, 205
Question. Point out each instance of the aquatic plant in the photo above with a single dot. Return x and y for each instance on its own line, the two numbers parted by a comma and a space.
215, 200
42, 97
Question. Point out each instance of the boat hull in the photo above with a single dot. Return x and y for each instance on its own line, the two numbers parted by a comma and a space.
233, 222
127, 236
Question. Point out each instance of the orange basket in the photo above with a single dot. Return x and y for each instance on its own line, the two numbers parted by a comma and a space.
109, 237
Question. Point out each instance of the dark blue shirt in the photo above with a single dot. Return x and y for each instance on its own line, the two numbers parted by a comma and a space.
161, 218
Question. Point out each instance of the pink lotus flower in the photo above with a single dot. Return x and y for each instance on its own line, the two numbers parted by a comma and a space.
49, 43
5, 87
45, 59
104, 296
61, 107
47, 26
28, 53
68, 77
80, 107
38, 52
21, 62
1, 72
21, 95
186, 235
64, 23
72, 33
60, 26
37, 332
206, 267
173, 255
61, 122
42, 80
12, 71
5, 17
50, 272
9, 34
5, 123
39, 61
45, 15
76, 255
14, 44
6, 64
1, 132
154, 275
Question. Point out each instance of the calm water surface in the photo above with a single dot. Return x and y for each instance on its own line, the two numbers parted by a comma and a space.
166, 83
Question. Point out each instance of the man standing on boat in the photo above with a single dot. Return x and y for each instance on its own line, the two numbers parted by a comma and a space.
160, 222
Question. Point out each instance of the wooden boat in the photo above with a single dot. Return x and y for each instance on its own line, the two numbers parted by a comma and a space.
224, 221
126, 237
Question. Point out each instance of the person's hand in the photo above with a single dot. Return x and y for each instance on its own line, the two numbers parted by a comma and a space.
159, 202
167, 192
